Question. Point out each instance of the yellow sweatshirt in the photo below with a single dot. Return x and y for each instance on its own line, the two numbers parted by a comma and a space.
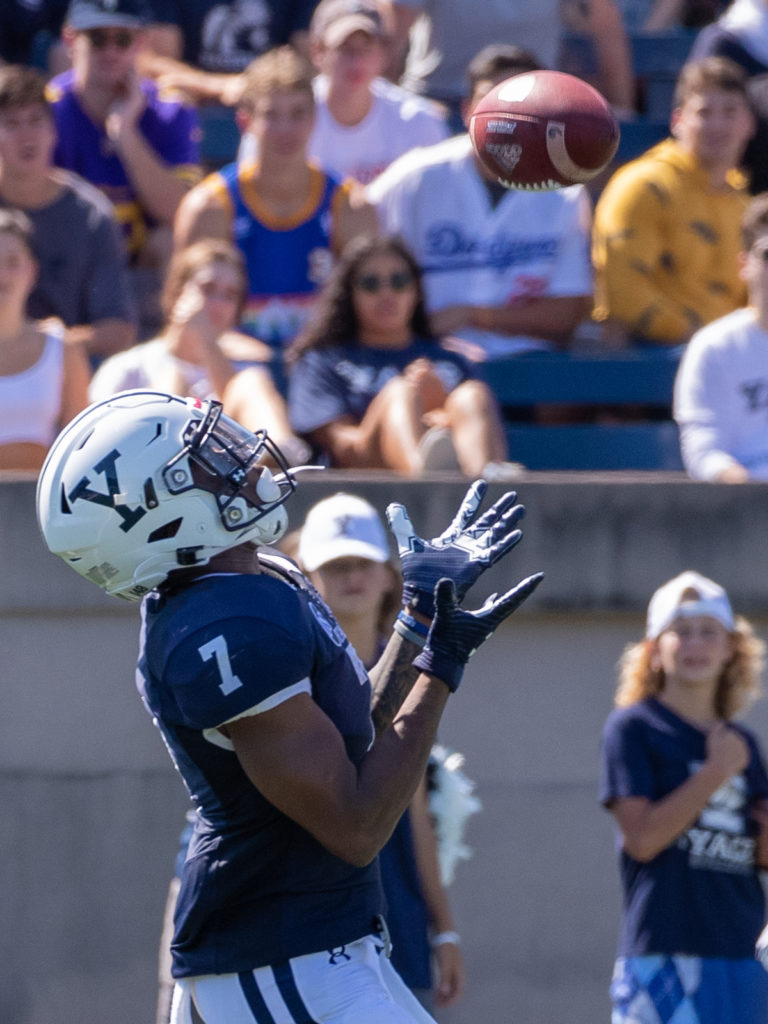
665, 245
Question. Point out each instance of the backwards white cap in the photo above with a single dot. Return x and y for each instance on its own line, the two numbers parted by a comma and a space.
688, 594
342, 526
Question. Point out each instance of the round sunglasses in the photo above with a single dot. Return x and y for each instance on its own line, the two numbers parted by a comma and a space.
372, 283
101, 38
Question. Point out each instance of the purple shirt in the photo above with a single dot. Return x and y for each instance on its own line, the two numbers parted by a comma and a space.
169, 126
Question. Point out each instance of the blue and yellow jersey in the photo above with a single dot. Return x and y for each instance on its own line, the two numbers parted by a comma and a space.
288, 258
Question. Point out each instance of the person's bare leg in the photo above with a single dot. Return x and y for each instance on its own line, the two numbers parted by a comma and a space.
397, 414
252, 398
476, 428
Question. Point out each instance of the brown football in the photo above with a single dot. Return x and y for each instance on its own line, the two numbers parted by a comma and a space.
543, 130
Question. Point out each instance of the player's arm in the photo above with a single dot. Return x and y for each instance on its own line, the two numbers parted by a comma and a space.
294, 754
648, 827
296, 758
204, 212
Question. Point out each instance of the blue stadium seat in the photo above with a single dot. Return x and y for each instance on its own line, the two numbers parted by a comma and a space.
657, 58
637, 378
220, 136
637, 137
651, 446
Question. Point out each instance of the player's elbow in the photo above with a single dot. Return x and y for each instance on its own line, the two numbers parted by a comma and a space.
357, 843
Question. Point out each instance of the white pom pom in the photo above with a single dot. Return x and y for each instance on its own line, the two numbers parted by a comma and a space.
451, 802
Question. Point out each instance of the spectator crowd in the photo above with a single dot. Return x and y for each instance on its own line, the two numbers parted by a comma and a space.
346, 277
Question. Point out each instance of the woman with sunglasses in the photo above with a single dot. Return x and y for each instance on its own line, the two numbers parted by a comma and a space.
371, 386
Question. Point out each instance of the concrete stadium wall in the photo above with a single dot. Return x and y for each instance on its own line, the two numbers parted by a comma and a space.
93, 809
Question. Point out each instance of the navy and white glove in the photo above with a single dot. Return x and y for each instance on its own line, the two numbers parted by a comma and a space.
456, 633
462, 553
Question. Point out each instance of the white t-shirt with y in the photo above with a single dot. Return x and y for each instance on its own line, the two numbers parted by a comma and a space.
721, 397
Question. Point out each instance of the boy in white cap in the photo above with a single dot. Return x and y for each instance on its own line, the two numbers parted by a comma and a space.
688, 790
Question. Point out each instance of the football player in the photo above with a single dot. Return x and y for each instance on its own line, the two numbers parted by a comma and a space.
298, 764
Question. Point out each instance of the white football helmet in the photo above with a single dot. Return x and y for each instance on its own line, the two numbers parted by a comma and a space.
144, 483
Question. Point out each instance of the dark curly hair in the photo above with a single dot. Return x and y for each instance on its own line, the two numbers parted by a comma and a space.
335, 322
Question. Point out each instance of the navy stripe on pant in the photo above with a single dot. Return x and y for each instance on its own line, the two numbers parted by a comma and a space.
255, 999
290, 993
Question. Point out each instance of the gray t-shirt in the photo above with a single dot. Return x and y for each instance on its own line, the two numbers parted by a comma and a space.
83, 271
452, 32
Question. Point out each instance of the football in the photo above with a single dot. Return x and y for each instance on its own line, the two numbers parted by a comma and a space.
543, 130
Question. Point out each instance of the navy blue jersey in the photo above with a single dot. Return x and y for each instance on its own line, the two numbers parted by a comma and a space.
407, 912
701, 895
256, 888
327, 384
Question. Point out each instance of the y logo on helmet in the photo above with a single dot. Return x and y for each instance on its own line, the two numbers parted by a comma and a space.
114, 499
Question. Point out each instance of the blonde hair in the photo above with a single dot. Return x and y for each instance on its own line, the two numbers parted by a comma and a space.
279, 70
737, 688
186, 263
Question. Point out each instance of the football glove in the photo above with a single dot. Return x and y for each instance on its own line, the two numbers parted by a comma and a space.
456, 633
461, 553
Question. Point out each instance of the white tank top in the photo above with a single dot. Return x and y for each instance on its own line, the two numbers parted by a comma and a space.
30, 401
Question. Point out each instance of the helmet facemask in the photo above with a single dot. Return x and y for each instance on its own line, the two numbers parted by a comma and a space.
224, 459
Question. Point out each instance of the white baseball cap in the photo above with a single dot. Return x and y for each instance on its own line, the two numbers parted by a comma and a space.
688, 594
342, 526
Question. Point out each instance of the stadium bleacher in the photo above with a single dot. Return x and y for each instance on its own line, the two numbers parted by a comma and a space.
638, 381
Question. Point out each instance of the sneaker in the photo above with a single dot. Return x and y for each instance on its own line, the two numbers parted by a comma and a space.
437, 451
502, 472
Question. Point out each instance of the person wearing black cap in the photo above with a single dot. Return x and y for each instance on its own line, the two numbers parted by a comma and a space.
117, 131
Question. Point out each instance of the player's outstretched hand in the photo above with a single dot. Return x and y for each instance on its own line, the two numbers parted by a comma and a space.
461, 553
456, 633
